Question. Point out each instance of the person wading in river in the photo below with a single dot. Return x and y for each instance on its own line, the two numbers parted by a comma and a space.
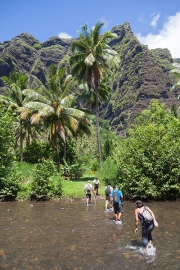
147, 226
87, 190
96, 184
117, 198
108, 191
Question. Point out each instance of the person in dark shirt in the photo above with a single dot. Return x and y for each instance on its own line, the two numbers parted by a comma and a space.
147, 228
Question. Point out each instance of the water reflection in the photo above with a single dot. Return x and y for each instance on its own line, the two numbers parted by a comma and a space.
71, 235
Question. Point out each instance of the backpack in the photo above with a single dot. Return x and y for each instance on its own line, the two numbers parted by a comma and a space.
108, 190
96, 183
88, 188
116, 197
147, 216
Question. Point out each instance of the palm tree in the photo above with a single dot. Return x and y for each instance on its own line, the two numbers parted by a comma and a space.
15, 100
93, 59
174, 110
53, 107
88, 97
176, 72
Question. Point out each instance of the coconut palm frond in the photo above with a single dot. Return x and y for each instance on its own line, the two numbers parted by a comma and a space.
31, 95
59, 111
35, 105
74, 112
67, 101
60, 130
12, 107
46, 111
71, 123
4, 100
89, 60
24, 114
35, 119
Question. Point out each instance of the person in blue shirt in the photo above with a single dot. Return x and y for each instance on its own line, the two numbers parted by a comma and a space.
117, 199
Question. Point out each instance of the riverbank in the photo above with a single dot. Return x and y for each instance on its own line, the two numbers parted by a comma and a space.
71, 189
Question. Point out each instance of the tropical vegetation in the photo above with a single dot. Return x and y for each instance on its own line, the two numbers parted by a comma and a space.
92, 60
50, 133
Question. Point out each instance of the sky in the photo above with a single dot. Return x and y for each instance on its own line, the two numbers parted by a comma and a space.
155, 23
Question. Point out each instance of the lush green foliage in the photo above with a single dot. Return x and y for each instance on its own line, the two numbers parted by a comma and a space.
53, 107
46, 180
11, 184
91, 60
9, 178
145, 164
37, 46
36, 151
109, 172
148, 160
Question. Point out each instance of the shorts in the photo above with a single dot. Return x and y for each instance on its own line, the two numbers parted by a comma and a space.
107, 198
118, 208
88, 196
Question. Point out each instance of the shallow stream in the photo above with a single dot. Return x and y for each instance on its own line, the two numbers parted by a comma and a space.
71, 235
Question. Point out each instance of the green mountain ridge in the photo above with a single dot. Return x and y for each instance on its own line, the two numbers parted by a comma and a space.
142, 75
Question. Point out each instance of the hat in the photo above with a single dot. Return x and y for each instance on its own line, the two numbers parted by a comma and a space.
88, 181
117, 186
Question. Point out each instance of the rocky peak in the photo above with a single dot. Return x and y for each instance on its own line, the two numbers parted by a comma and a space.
57, 41
121, 31
29, 39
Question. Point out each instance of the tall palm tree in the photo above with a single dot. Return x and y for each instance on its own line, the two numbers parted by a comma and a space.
16, 83
176, 71
91, 60
88, 98
53, 107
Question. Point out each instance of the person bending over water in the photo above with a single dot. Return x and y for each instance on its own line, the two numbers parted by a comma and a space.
147, 228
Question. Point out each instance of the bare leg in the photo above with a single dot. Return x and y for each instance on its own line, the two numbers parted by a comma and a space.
150, 243
87, 199
105, 205
119, 215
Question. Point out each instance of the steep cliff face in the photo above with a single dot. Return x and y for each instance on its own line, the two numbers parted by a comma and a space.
143, 74
26, 54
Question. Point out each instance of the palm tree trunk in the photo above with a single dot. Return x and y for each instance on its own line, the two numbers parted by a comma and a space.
65, 149
21, 142
98, 129
57, 152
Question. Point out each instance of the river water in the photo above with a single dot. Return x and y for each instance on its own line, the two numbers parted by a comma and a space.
71, 235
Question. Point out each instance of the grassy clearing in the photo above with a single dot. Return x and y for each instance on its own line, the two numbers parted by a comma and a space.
75, 189
70, 189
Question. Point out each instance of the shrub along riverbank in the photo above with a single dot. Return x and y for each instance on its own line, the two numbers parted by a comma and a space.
70, 189
39, 181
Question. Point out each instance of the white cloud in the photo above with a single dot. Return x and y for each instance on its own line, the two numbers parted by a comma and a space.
154, 20
64, 35
168, 37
